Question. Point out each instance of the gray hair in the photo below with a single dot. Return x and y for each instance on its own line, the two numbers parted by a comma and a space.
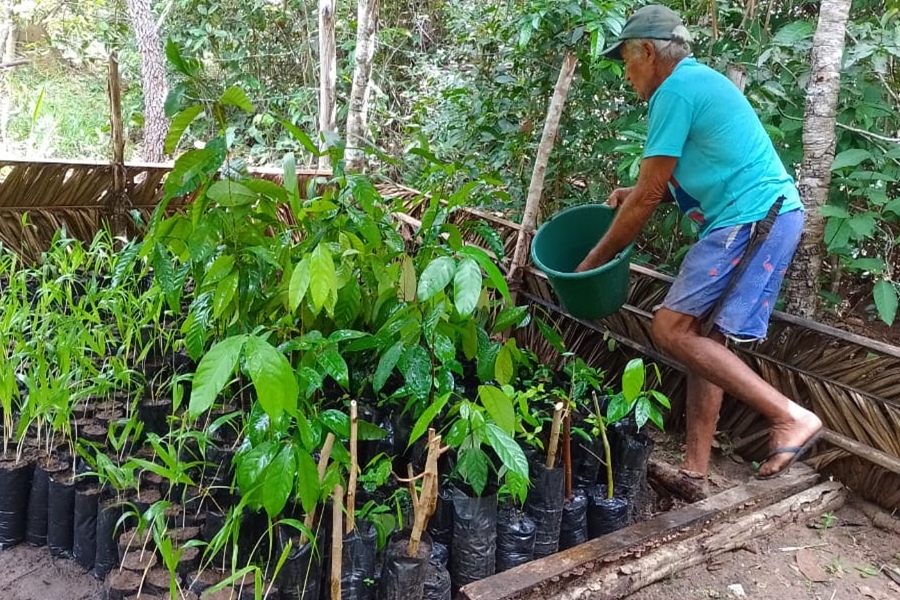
671, 50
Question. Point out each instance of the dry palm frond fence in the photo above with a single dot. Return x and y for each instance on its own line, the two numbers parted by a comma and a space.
853, 383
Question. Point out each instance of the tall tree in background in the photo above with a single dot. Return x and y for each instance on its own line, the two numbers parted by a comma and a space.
327, 75
153, 79
802, 282
357, 113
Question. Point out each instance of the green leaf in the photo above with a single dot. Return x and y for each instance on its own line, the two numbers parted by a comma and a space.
466, 287
235, 96
180, 123
507, 450
428, 415
435, 277
473, 467
510, 316
657, 418
251, 467
893, 207
386, 365
885, 293
837, 234
299, 135
219, 269
279, 482
299, 283
323, 282
633, 379
213, 372
661, 399
871, 265
225, 291
336, 422
863, 225
333, 364
618, 408
503, 366
469, 336
551, 335
830, 210
173, 55
369, 431
793, 33
272, 377
307, 481
499, 406
850, 158
493, 272
231, 193
407, 283
415, 364
641, 412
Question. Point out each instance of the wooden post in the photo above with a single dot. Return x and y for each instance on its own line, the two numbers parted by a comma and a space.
337, 541
548, 137
553, 444
426, 502
354, 466
567, 452
324, 456
115, 208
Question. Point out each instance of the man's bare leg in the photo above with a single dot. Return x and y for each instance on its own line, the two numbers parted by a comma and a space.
702, 409
791, 425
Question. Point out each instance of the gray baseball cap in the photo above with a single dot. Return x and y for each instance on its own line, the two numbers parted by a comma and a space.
653, 22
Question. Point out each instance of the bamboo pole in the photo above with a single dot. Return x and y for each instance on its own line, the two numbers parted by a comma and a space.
426, 502
324, 456
548, 137
354, 466
337, 541
553, 445
567, 452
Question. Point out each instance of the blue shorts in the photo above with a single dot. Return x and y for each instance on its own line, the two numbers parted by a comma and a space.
707, 269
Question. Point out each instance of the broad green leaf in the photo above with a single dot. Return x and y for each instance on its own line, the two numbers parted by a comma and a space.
213, 372
510, 316
427, 417
299, 283
435, 277
863, 225
251, 466
486, 356
366, 431
307, 480
618, 408
219, 269
225, 292
180, 123
503, 366
661, 398
850, 158
837, 234
299, 135
551, 335
893, 207
279, 482
348, 305
657, 418
386, 365
507, 450
444, 348
333, 364
272, 376
266, 188
336, 422
499, 406
793, 33
466, 287
323, 282
235, 96
633, 379
407, 282
415, 364
231, 193
173, 55
493, 272
885, 293
456, 434
641, 412
473, 467
830, 210
469, 336
871, 265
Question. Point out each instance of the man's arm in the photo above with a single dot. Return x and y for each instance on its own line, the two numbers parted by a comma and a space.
634, 212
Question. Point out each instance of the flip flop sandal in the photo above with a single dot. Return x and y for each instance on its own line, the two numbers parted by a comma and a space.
795, 451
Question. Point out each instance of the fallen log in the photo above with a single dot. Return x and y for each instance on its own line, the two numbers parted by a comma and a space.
676, 481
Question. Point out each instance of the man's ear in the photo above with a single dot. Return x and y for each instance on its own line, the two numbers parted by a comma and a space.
649, 49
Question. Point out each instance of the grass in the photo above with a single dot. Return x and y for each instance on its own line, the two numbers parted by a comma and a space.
59, 111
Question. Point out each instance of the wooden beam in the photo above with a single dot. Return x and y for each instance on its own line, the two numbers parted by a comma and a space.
539, 578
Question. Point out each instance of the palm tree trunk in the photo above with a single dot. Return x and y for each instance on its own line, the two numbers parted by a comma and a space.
802, 282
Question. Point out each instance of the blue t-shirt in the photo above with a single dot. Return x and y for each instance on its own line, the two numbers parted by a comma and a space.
728, 172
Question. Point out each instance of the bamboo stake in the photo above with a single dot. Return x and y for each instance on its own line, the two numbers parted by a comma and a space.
324, 456
427, 500
354, 466
553, 446
567, 452
337, 541
606, 450
548, 137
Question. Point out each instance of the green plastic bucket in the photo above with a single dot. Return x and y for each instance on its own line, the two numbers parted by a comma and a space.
561, 243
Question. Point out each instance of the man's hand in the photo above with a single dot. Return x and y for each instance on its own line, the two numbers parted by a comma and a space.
618, 196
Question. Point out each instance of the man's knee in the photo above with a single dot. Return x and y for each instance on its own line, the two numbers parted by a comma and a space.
663, 332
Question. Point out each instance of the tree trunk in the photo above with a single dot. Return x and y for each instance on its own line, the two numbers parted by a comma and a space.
802, 282
153, 79
327, 77
367, 16
7, 55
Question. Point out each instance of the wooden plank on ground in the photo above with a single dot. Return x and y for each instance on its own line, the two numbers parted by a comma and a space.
545, 577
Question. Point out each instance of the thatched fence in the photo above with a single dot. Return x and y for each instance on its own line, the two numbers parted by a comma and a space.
851, 382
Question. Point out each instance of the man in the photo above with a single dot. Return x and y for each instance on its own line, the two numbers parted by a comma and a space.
707, 150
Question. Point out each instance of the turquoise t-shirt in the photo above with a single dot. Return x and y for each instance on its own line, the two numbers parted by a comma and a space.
728, 172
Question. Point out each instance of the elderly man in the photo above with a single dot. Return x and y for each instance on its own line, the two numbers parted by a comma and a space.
707, 150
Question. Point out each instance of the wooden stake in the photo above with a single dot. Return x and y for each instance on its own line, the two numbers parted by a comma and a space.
554, 434
567, 452
337, 540
354, 466
324, 456
427, 500
536, 187
607, 453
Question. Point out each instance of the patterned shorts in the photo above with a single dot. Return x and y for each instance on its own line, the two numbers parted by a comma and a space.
707, 269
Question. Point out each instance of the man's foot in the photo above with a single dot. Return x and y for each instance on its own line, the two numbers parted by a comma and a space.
788, 442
